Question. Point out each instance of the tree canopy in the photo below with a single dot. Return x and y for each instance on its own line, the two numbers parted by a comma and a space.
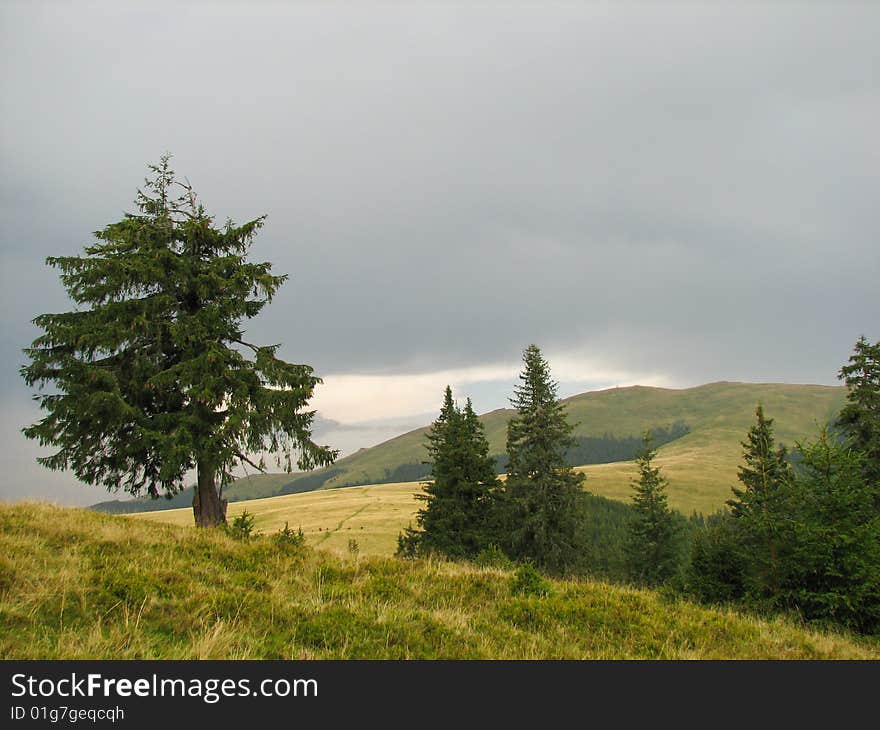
455, 519
149, 376
541, 490
652, 548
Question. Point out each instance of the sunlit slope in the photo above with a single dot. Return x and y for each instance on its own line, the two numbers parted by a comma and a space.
701, 465
76, 584
372, 516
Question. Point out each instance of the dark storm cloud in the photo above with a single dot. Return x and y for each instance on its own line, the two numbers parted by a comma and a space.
688, 190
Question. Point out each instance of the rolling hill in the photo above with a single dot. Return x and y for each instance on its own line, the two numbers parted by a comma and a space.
701, 464
122, 588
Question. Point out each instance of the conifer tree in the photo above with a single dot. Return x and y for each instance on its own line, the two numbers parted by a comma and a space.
652, 547
542, 491
860, 417
454, 521
150, 374
834, 566
762, 505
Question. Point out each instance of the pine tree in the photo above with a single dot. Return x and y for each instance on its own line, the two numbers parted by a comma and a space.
762, 505
454, 521
652, 548
542, 491
834, 571
860, 417
150, 370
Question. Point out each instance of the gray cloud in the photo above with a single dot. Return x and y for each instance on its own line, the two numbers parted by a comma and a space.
688, 190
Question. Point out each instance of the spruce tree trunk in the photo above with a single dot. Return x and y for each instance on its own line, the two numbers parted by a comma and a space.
208, 509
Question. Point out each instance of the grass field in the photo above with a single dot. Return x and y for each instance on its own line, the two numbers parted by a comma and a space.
76, 584
701, 466
372, 515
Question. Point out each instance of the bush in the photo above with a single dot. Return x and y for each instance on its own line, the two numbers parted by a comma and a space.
529, 582
409, 543
242, 527
717, 571
287, 538
493, 557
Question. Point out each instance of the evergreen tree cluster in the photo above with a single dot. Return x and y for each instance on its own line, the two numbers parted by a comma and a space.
801, 531
534, 514
455, 521
804, 538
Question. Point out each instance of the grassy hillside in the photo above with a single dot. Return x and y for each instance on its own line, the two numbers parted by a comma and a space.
77, 584
701, 465
372, 515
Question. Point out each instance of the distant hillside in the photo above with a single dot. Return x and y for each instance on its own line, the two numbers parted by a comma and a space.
704, 426
701, 464
124, 588
251, 487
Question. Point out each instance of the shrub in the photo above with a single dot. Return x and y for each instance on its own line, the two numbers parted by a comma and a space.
242, 527
493, 557
529, 582
287, 538
718, 568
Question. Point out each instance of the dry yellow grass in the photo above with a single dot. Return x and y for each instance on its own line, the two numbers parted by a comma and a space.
372, 515
375, 514
79, 585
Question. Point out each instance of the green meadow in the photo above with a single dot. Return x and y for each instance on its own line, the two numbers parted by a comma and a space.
77, 584
701, 465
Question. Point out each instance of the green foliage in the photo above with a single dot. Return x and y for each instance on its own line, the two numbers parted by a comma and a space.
717, 569
539, 508
608, 447
527, 581
454, 522
242, 527
834, 571
602, 536
860, 417
148, 374
287, 539
762, 509
586, 450
493, 556
408, 542
653, 548
804, 540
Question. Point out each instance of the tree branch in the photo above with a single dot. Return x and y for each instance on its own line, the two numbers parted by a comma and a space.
256, 466
255, 348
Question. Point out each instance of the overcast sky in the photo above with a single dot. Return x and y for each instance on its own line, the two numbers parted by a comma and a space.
665, 196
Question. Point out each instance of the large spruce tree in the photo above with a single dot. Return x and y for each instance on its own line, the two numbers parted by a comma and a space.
652, 549
455, 519
149, 376
542, 491
762, 506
